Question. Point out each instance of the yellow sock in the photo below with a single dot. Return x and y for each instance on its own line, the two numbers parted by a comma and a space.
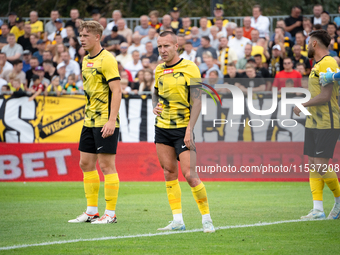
174, 196
91, 187
200, 194
331, 179
111, 191
316, 184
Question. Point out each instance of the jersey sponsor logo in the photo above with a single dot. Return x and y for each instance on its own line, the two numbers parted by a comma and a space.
166, 71
89, 64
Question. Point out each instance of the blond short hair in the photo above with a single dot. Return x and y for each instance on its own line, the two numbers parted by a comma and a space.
92, 26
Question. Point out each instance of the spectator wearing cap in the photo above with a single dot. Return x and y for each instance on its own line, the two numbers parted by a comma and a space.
112, 42
136, 38
284, 42
325, 18
34, 62
153, 15
204, 30
144, 27
166, 24
247, 27
59, 29
241, 63
124, 31
71, 65
11, 19
239, 42
176, 21
95, 13
4, 34
149, 52
24, 40
61, 69
150, 38
294, 21
13, 50
276, 61
18, 29
16, 71
261, 23
317, 10
116, 15
226, 55
218, 14
74, 15
50, 27
41, 47
36, 25
287, 73
39, 70
189, 52
124, 57
26, 57
106, 31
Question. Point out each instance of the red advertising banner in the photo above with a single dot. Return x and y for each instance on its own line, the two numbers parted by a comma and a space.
139, 162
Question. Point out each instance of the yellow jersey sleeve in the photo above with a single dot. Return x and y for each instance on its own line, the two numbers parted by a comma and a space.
192, 74
157, 76
328, 62
110, 68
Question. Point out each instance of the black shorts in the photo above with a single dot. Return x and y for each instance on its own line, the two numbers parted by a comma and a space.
320, 143
173, 137
91, 141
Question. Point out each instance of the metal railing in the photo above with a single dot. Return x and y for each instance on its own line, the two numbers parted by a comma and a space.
133, 22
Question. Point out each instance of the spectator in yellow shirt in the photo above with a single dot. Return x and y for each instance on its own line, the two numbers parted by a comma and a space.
18, 29
36, 25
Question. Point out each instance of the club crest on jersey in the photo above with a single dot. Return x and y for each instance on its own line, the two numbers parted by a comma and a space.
168, 71
89, 64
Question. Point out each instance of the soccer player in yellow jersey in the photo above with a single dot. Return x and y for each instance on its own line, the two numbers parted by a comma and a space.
174, 126
99, 136
322, 126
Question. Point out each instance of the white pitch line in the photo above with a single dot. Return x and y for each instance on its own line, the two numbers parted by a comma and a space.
146, 235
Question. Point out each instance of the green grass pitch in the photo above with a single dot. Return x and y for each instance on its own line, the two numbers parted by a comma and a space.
35, 213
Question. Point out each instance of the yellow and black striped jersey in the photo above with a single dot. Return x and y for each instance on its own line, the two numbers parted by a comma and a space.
97, 72
173, 84
325, 116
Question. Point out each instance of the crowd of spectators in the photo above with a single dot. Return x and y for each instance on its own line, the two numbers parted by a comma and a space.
43, 58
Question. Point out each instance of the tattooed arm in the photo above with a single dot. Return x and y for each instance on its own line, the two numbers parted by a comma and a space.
157, 107
195, 96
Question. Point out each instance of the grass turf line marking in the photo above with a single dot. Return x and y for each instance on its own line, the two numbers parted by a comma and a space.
147, 235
